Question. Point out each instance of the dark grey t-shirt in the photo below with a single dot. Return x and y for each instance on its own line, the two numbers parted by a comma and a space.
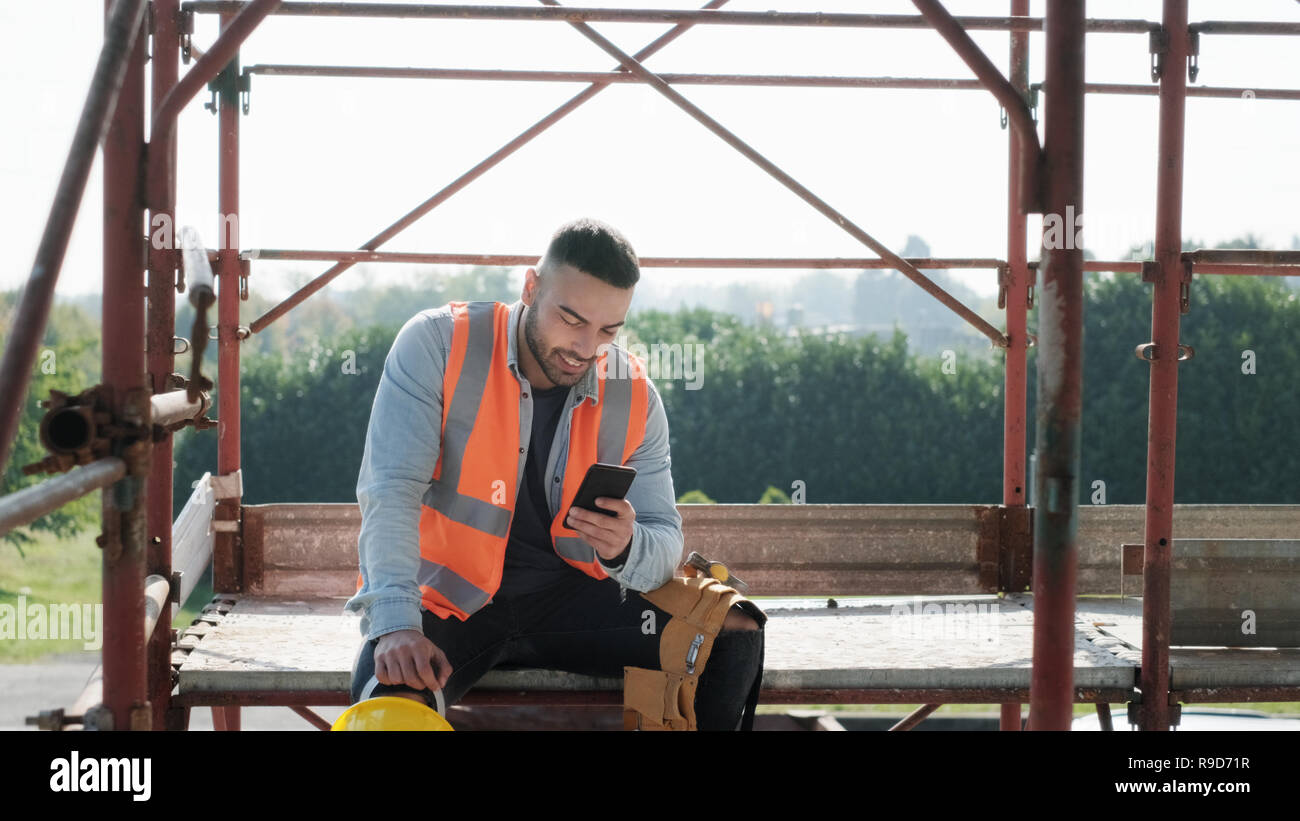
531, 561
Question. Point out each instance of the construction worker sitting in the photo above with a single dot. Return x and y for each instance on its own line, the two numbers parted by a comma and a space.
485, 422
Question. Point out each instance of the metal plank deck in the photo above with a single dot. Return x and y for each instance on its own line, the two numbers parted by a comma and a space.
895, 643
1192, 667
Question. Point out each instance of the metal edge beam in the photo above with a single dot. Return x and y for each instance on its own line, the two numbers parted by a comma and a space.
687, 16
510, 260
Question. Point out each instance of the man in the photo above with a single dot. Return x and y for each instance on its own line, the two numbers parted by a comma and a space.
468, 559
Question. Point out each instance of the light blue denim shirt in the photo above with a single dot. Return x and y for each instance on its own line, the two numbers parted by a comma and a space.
402, 445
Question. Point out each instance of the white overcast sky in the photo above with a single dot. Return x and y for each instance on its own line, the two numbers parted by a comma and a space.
327, 163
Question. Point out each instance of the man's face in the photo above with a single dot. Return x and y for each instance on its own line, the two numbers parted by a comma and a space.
570, 315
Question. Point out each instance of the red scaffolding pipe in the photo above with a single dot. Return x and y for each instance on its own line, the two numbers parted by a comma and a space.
125, 392
165, 58
1198, 91
731, 18
508, 260
526, 75
1060, 379
1129, 266
1242, 27
778, 80
726, 18
1163, 397
1018, 281
227, 546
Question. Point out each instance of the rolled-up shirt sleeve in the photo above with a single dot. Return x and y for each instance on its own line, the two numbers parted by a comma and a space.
657, 542
401, 450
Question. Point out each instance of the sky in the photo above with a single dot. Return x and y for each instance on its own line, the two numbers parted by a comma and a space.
327, 163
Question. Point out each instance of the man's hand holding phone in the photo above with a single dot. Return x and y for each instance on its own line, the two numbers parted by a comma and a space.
600, 513
408, 657
609, 535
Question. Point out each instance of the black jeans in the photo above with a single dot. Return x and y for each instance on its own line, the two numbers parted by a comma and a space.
578, 625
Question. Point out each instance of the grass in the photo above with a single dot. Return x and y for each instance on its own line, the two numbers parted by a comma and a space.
55, 571
63, 571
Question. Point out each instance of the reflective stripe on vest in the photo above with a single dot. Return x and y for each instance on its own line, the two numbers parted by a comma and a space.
614, 446
465, 515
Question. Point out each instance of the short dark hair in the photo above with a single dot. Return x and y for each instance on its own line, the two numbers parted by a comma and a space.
595, 248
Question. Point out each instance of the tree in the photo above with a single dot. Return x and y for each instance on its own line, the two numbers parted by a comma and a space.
68, 361
695, 497
774, 496
303, 421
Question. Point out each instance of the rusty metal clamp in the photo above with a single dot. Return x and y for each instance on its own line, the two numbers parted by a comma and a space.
185, 28
1148, 352
241, 332
1158, 45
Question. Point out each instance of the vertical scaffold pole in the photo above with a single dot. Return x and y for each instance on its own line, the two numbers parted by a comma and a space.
165, 61
228, 570
1060, 371
1016, 283
125, 692
1163, 399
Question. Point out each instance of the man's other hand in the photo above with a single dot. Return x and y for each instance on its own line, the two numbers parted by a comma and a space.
408, 657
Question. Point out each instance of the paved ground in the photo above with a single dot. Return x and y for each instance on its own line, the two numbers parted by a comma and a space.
57, 680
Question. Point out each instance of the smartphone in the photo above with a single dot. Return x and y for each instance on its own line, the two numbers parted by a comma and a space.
603, 480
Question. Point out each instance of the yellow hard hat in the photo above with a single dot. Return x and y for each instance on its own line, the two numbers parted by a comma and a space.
390, 713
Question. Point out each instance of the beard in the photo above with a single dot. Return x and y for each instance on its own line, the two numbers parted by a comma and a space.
546, 358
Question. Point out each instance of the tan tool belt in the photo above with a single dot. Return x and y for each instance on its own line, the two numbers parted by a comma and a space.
665, 699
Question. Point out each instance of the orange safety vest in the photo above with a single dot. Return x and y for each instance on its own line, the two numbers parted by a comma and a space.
465, 515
